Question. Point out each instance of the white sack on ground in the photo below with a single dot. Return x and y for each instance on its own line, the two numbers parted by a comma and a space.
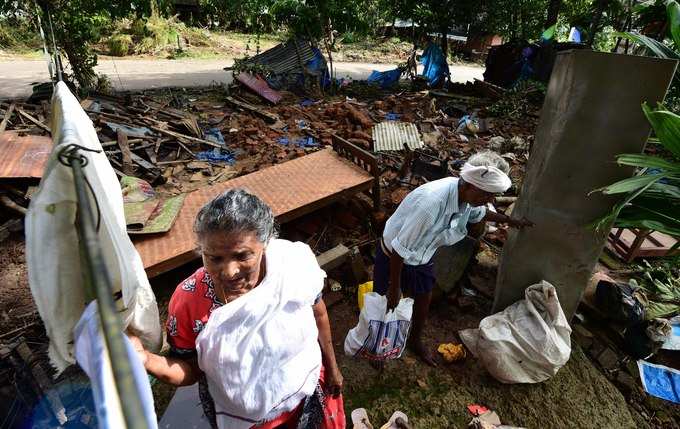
528, 342
92, 356
52, 251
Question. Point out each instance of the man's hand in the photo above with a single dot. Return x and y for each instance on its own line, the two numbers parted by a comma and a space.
520, 223
393, 296
334, 382
139, 348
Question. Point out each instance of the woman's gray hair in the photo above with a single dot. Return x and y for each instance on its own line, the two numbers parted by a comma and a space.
489, 158
236, 210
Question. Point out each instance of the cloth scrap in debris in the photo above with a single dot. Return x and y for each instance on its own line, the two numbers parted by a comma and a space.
385, 79
476, 409
306, 102
660, 381
216, 156
214, 135
128, 130
259, 86
392, 116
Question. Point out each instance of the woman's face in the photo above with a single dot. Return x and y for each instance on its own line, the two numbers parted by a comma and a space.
233, 260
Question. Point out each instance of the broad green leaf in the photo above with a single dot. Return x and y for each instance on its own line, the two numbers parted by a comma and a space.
657, 48
673, 10
666, 127
638, 8
666, 191
647, 161
633, 184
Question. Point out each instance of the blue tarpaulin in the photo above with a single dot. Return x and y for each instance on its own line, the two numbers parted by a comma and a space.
660, 381
214, 135
301, 142
385, 79
318, 64
435, 67
216, 156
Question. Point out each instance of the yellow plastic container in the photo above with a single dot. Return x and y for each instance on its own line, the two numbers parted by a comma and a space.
363, 288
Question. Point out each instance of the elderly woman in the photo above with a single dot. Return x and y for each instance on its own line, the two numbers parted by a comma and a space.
250, 325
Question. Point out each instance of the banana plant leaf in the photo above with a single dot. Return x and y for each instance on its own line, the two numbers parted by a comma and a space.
657, 48
666, 126
633, 184
648, 161
673, 11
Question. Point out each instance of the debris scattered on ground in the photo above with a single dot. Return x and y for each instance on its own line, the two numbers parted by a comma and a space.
452, 352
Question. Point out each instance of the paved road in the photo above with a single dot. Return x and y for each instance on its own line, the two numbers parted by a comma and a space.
16, 76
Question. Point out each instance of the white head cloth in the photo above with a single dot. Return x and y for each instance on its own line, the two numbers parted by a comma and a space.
489, 179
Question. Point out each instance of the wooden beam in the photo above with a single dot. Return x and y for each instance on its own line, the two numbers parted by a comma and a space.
8, 114
256, 110
34, 120
126, 153
185, 137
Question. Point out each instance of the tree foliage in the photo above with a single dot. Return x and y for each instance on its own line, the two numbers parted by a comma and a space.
80, 23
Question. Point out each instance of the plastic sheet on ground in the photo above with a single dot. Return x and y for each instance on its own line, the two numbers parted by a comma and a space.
660, 381
385, 79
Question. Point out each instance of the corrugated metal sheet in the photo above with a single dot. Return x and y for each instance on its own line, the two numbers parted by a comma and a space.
286, 57
392, 136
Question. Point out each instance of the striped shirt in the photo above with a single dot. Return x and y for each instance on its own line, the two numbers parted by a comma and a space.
428, 218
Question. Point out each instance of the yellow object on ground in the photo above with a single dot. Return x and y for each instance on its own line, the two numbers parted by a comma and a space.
363, 289
452, 352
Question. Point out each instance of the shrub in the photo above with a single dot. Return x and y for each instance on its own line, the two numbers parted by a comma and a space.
119, 44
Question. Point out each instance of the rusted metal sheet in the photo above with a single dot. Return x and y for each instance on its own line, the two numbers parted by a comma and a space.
392, 135
260, 87
291, 189
23, 157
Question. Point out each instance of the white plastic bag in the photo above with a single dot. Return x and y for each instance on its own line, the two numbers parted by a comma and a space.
528, 342
380, 336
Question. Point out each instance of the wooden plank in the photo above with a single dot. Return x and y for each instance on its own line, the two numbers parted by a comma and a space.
333, 258
34, 120
8, 114
256, 110
184, 136
142, 162
125, 151
151, 154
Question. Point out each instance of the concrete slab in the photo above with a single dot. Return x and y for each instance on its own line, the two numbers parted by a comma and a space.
184, 410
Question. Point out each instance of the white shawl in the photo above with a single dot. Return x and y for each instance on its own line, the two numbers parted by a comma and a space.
260, 352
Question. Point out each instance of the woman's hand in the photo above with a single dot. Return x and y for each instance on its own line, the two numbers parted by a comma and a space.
334, 382
139, 348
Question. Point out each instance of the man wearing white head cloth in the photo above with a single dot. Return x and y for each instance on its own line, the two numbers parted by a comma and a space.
433, 215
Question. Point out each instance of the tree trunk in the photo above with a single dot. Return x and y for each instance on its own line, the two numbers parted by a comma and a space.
553, 12
445, 40
595, 26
